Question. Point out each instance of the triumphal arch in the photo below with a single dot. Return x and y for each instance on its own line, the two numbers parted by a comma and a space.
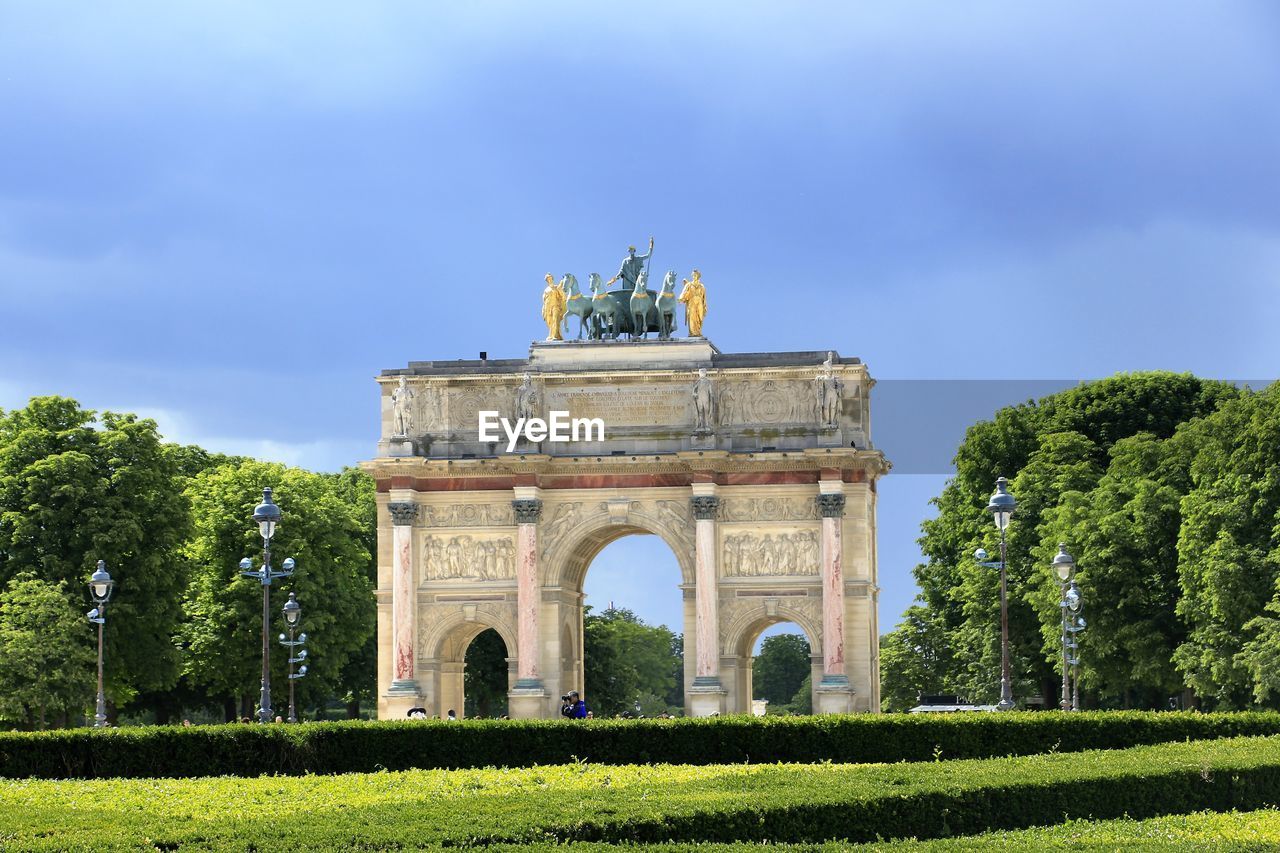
756, 469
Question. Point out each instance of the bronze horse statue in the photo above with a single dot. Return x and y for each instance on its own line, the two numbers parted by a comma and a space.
575, 303
642, 305
604, 310
666, 306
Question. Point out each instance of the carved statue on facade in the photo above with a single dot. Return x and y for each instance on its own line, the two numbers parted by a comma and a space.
553, 308
527, 399
694, 297
829, 390
402, 409
632, 266
703, 403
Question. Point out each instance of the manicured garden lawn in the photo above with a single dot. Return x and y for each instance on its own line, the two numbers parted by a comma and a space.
585, 802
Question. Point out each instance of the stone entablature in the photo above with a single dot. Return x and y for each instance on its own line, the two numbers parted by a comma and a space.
645, 394
471, 539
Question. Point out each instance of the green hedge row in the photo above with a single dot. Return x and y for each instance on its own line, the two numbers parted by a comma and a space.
641, 803
347, 747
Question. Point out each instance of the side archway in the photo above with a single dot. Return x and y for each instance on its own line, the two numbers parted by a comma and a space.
443, 664
741, 635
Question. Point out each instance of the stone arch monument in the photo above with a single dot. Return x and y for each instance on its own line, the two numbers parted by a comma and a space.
756, 469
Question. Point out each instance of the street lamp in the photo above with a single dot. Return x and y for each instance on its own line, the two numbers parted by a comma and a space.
267, 517
1001, 508
292, 616
1075, 624
1064, 568
100, 587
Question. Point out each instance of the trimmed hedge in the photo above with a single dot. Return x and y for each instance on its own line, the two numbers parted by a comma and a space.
778, 803
354, 747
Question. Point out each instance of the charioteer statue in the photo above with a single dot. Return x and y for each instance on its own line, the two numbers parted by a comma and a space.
633, 310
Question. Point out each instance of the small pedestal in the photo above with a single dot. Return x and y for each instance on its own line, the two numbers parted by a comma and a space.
527, 703
829, 436
834, 695
706, 700
399, 445
703, 440
401, 696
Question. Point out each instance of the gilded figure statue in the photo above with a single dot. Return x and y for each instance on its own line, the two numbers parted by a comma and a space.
553, 308
694, 297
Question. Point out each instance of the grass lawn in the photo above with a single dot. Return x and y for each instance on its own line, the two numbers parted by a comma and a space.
787, 803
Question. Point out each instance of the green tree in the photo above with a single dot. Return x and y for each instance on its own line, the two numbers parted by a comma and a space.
914, 659
1124, 535
781, 666
1048, 449
484, 676
76, 488
625, 658
47, 662
358, 681
322, 531
1229, 553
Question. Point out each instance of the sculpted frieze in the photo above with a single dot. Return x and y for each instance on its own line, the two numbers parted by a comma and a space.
466, 515
769, 402
769, 509
562, 518
769, 554
469, 557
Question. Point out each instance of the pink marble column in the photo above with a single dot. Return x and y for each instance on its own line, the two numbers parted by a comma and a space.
707, 671
832, 508
403, 595
527, 512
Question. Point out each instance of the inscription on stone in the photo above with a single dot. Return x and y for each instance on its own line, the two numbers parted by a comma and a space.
668, 405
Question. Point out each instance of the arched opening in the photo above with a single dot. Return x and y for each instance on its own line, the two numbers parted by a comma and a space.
473, 669
632, 661
778, 662
485, 676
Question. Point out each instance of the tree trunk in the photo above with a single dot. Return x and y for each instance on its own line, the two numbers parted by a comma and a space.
113, 715
353, 709
229, 709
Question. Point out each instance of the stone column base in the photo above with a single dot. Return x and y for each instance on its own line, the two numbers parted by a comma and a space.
400, 697
706, 700
834, 696
527, 703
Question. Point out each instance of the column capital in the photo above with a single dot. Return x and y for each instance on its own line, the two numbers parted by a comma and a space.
831, 505
528, 510
705, 507
403, 513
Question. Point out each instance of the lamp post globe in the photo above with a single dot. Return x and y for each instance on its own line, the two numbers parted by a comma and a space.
1001, 507
1002, 504
101, 584
267, 515
1064, 565
292, 610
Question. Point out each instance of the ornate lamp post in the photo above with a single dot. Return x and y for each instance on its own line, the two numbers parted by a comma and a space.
100, 587
292, 616
1001, 508
1064, 568
267, 516
1075, 624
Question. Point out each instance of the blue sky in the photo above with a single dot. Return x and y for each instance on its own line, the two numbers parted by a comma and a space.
231, 216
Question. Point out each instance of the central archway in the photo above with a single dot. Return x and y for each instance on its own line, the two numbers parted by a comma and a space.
574, 544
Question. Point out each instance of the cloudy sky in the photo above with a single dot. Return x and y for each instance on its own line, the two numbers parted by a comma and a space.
231, 216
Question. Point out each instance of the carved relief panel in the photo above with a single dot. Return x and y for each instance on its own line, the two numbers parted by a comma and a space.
466, 515
765, 554
468, 556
